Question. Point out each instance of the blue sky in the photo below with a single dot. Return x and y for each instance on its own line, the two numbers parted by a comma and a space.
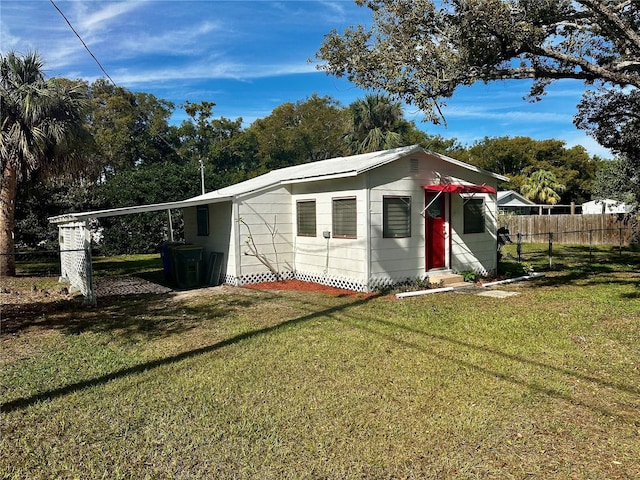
251, 56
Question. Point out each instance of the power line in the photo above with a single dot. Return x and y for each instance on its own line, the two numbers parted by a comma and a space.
82, 41
161, 137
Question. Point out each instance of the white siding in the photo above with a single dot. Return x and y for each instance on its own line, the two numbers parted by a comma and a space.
398, 259
220, 233
259, 213
475, 251
336, 261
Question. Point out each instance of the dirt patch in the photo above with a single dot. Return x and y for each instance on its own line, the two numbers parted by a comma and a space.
299, 285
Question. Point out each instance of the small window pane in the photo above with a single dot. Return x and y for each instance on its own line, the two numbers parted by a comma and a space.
344, 218
474, 216
202, 218
306, 213
396, 217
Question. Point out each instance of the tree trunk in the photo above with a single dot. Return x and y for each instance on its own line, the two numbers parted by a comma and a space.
8, 190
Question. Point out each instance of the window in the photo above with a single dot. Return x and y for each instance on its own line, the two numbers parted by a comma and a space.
306, 218
474, 215
202, 218
396, 217
344, 217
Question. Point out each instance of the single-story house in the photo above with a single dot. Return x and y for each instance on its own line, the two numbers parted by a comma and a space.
358, 222
510, 201
606, 205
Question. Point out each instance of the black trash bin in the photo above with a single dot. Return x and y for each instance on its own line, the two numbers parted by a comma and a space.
167, 261
187, 266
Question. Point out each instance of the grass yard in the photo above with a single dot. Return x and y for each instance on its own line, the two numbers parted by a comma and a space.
232, 383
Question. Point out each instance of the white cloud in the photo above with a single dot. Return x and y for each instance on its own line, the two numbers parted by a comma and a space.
185, 41
215, 68
497, 113
88, 18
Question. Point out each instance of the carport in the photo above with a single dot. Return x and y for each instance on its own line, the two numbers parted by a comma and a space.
74, 238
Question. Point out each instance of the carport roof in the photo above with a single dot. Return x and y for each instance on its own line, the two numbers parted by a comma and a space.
114, 212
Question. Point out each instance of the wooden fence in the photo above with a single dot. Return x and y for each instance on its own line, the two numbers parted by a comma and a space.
590, 229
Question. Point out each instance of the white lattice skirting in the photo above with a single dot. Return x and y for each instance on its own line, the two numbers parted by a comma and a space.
374, 283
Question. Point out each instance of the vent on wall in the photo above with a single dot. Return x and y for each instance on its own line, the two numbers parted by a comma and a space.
413, 165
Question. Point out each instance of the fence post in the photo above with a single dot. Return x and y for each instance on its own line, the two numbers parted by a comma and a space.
550, 249
620, 240
519, 247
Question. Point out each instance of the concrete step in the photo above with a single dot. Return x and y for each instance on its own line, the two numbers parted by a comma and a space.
445, 278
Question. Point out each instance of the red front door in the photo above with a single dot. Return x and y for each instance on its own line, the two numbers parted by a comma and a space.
435, 233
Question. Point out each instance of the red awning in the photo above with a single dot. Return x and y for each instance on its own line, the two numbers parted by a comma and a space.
457, 188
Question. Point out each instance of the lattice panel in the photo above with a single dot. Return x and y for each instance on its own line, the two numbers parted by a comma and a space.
74, 259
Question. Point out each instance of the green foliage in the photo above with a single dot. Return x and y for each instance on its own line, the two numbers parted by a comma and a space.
129, 129
518, 157
612, 181
40, 199
421, 52
542, 187
145, 184
42, 133
469, 275
377, 123
299, 132
612, 118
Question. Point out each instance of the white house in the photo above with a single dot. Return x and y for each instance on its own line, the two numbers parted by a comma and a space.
605, 206
358, 222
510, 201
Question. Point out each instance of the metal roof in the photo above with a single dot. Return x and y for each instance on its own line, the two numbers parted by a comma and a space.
511, 198
340, 167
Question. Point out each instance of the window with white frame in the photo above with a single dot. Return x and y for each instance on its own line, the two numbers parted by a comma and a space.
396, 217
344, 217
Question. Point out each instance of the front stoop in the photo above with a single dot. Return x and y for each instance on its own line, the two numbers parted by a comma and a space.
446, 279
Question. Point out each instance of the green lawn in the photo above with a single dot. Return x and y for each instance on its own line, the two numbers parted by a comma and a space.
249, 384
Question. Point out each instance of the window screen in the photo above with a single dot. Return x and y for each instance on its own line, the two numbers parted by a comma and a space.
344, 217
202, 218
306, 218
474, 215
396, 217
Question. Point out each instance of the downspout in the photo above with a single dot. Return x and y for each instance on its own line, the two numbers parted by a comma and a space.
235, 213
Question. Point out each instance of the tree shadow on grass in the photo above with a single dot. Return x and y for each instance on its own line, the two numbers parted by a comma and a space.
483, 369
573, 265
21, 403
146, 316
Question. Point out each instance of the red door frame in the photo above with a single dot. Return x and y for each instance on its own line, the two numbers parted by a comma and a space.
436, 226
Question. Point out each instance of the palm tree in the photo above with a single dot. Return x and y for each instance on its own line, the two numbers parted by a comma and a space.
42, 122
377, 124
542, 187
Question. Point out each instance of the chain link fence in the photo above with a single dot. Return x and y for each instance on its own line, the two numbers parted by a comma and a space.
72, 266
552, 249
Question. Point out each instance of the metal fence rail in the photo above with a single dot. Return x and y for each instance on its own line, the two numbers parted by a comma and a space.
40, 263
551, 247
71, 265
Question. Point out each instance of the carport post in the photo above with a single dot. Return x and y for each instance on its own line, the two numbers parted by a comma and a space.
170, 225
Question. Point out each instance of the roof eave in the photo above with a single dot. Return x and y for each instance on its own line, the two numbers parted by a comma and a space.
114, 212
